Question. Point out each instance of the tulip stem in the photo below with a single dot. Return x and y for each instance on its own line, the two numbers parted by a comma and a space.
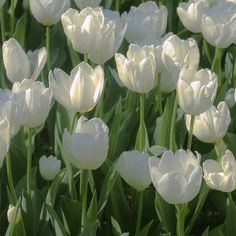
73, 122
217, 149
48, 47
83, 193
172, 127
12, 15
216, 64
118, 5
160, 110
181, 213
139, 216
29, 161
9, 177
2, 24
85, 57
190, 135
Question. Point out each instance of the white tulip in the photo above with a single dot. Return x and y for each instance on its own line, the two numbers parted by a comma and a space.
145, 22
221, 176
81, 4
133, 168
36, 100
176, 176
196, 90
80, 91
4, 138
48, 12
20, 65
218, 24
49, 167
230, 97
87, 148
11, 212
211, 125
138, 71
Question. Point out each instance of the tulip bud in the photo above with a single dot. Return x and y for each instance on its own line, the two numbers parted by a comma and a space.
87, 148
196, 90
10, 214
4, 139
138, 71
49, 167
81, 4
20, 66
80, 91
48, 12
211, 125
221, 176
133, 168
36, 101
145, 22
176, 176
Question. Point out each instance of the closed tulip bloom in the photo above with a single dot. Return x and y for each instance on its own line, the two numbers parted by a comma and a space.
48, 12
138, 71
190, 14
176, 53
36, 102
196, 90
211, 125
11, 212
49, 167
176, 176
133, 168
80, 91
81, 4
145, 22
219, 24
221, 175
20, 65
87, 148
4, 138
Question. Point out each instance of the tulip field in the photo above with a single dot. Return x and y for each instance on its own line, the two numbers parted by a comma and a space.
118, 118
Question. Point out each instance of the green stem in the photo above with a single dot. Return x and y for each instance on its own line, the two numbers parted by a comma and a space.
207, 51
29, 161
139, 216
159, 96
48, 47
216, 64
181, 213
12, 17
230, 197
218, 150
190, 135
172, 127
141, 133
234, 74
85, 57
2, 24
83, 193
73, 122
10, 180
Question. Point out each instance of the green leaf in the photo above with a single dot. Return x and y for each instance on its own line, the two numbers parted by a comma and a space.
230, 217
115, 226
20, 29
90, 230
145, 229
92, 212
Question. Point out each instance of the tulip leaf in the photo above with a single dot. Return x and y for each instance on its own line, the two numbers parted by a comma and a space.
92, 210
145, 229
115, 226
90, 230
230, 216
20, 29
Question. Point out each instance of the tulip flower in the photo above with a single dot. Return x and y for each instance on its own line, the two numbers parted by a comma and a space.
138, 71
211, 125
230, 97
49, 167
92, 30
196, 90
36, 102
145, 22
11, 212
133, 168
20, 65
190, 14
87, 148
81, 4
4, 138
221, 175
80, 91
176, 176
48, 12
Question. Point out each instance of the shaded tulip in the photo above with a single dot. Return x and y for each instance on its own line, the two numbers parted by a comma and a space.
133, 168
176, 176
10, 214
36, 102
4, 139
48, 12
138, 71
20, 65
221, 175
145, 22
230, 97
87, 148
211, 125
80, 91
49, 167
81, 4
196, 90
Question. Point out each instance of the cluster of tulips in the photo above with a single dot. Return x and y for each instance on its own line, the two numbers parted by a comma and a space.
158, 68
